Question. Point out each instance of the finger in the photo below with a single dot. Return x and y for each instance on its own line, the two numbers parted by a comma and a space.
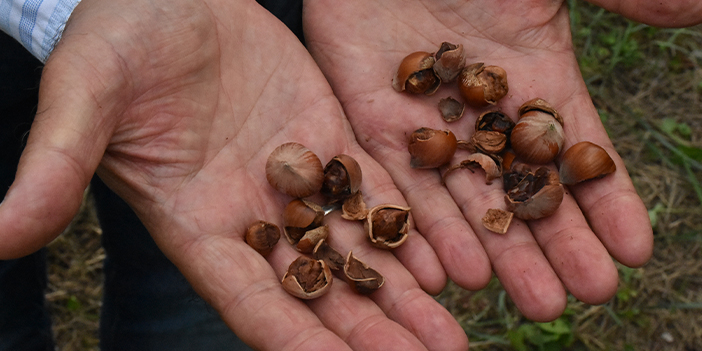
436, 215
613, 208
516, 257
65, 144
681, 13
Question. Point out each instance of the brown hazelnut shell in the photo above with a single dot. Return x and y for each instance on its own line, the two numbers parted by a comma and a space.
537, 138
307, 278
450, 60
416, 75
431, 148
387, 225
342, 177
540, 202
482, 85
294, 170
262, 236
497, 220
333, 259
584, 161
451, 109
362, 278
539, 104
489, 142
491, 168
354, 208
300, 216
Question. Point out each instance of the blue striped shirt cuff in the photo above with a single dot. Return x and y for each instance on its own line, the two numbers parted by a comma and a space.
37, 24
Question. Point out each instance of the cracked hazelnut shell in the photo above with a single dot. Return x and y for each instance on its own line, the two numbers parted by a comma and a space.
342, 177
387, 226
482, 85
307, 278
431, 148
536, 194
362, 278
416, 74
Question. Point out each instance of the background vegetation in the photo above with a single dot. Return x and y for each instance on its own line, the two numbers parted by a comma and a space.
647, 85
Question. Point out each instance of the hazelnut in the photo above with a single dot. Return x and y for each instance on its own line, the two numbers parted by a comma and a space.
262, 236
584, 161
538, 136
416, 75
387, 226
482, 85
451, 109
342, 178
536, 194
300, 218
333, 259
431, 148
361, 277
450, 60
294, 170
307, 278
497, 220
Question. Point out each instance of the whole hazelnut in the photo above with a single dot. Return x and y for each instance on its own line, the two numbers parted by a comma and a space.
342, 178
482, 85
584, 161
307, 278
387, 226
416, 74
294, 170
362, 278
262, 236
538, 136
431, 148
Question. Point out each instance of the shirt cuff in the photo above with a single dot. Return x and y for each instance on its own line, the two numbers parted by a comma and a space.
36, 24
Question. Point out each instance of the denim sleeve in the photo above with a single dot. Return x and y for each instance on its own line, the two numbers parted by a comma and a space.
36, 24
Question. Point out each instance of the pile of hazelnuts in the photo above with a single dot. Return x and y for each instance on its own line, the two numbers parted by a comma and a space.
295, 170
517, 152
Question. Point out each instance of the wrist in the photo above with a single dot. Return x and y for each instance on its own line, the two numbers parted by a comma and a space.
36, 24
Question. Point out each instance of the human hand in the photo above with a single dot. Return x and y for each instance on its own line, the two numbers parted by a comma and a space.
358, 46
178, 104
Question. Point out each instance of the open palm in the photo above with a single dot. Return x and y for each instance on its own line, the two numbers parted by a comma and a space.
178, 104
358, 44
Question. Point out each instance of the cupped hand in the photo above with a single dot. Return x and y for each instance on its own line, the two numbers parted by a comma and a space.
359, 44
178, 104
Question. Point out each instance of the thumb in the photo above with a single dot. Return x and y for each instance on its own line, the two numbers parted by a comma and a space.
66, 142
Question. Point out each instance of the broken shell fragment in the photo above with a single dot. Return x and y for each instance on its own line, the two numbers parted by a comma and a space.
416, 74
299, 217
362, 278
451, 109
307, 278
488, 164
482, 85
450, 60
431, 148
497, 220
311, 238
262, 236
495, 121
489, 142
584, 161
354, 208
329, 255
536, 195
342, 177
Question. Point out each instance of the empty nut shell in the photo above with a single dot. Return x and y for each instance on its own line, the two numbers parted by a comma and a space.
495, 121
488, 164
431, 148
354, 208
450, 60
584, 161
489, 142
361, 277
416, 74
294, 170
307, 278
342, 177
333, 259
262, 236
451, 109
387, 226
482, 85
537, 195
